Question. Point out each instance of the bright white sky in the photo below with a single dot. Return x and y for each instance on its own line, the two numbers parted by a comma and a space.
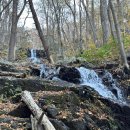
29, 21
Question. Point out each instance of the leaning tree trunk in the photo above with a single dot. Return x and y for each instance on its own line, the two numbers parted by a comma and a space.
12, 42
119, 37
38, 27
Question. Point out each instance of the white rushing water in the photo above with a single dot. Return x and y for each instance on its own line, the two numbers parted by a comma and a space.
34, 56
90, 78
46, 71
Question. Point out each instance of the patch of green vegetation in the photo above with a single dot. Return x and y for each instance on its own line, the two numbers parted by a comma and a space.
106, 52
126, 40
21, 54
9, 90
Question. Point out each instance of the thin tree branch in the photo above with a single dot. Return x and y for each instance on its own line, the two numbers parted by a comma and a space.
18, 16
5, 7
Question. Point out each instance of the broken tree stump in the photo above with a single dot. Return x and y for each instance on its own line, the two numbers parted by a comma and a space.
37, 112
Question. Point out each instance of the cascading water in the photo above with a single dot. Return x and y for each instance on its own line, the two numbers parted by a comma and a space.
113, 84
90, 78
46, 71
34, 56
33, 53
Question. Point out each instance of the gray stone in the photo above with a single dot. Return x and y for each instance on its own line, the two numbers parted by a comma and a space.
59, 125
52, 111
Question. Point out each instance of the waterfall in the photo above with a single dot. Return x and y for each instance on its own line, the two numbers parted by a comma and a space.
43, 72
34, 56
90, 78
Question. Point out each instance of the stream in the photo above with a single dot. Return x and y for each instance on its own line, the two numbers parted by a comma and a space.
89, 77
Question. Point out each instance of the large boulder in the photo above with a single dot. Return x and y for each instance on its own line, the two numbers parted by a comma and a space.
70, 74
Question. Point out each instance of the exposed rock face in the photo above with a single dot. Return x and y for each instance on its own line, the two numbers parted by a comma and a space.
70, 74
71, 107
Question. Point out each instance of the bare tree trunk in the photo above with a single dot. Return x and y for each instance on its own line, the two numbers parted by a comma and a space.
111, 24
37, 24
75, 29
12, 42
120, 11
104, 20
95, 39
57, 10
15, 18
80, 30
119, 37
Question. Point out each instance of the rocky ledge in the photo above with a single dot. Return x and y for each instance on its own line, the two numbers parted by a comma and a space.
68, 106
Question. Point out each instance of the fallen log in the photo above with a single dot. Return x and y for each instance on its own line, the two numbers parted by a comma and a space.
13, 74
35, 125
37, 112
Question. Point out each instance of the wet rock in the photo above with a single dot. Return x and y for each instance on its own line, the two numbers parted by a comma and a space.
21, 111
59, 125
114, 91
126, 70
34, 71
87, 65
128, 91
52, 111
121, 113
78, 124
70, 74
111, 65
